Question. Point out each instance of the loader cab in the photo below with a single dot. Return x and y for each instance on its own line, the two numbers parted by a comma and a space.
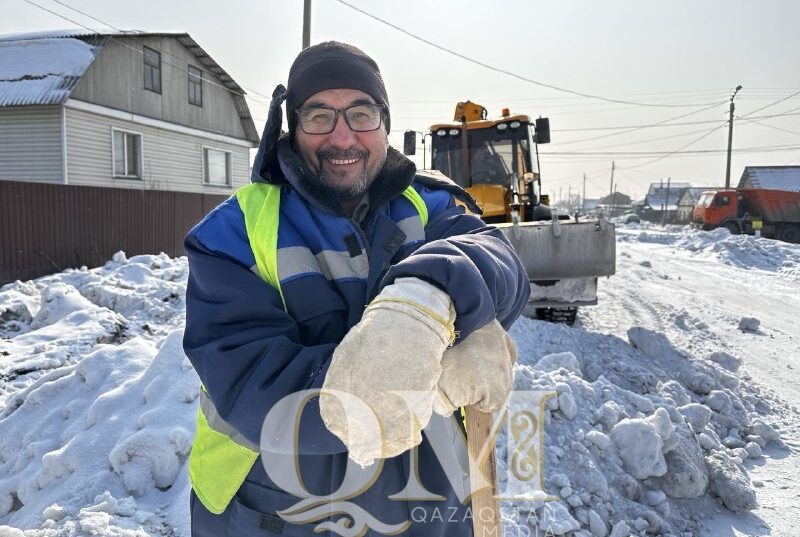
491, 159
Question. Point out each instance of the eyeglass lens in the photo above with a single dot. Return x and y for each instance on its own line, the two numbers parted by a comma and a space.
322, 120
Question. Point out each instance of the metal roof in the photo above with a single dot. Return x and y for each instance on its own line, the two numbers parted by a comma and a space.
41, 71
42, 68
771, 177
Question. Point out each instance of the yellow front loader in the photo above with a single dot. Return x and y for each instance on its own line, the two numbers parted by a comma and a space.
493, 160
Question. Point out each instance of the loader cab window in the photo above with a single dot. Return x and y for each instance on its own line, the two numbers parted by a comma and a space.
487, 166
494, 157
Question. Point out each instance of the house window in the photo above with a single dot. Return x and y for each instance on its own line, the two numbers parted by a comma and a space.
127, 153
216, 167
195, 86
152, 70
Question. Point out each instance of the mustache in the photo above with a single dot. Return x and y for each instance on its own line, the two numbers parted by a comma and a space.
341, 154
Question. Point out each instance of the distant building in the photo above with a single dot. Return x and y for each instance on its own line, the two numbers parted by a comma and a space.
661, 201
122, 110
589, 204
117, 141
686, 203
771, 177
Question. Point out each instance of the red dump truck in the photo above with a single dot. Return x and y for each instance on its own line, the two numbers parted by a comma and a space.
775, 212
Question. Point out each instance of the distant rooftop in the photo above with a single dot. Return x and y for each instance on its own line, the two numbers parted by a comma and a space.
42, 68
771, 177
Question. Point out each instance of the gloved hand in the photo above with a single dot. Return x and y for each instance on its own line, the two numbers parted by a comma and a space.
397, 346
477, 371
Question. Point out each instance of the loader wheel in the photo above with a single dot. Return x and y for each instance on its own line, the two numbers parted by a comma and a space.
789, 233
557, 315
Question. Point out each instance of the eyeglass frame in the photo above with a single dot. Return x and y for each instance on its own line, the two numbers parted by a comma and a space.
381, 109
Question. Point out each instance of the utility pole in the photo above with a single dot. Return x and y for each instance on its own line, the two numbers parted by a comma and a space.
611, 186
569, 199
613, 201
666, 204
306, 24
583, 203
730, 140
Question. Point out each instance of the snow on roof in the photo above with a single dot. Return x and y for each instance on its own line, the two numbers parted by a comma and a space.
662, 187
41, 70
693, 193
771, 177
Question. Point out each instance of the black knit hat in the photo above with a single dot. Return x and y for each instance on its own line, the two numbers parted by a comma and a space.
333, 65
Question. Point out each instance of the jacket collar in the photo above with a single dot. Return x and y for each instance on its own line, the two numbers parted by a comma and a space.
396, 175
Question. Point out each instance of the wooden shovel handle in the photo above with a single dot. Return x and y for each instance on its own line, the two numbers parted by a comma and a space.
485, 508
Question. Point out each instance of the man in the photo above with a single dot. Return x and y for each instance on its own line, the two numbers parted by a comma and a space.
336, 219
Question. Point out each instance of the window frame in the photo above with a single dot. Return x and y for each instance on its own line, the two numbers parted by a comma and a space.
198, 83
140, 152
228, 166
153, 69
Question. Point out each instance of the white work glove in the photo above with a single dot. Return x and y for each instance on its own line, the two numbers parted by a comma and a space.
397, 346
477, 371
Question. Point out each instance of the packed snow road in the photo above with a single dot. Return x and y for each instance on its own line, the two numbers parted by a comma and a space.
675, 416
696, 288
711, 292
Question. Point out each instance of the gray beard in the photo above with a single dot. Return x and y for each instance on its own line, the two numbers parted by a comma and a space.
345, 193
319, 187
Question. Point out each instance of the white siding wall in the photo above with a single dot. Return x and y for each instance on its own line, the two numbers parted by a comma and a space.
170, 160
30, 144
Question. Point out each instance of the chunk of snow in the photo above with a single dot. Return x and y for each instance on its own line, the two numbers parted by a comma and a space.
749, 324
620, 529
556, 519
765, 431
687, 473
598, 439
719, 401
53, 512
640, 447
696, 415
567, 405
725, 360
596, 524
552, 362
729, 482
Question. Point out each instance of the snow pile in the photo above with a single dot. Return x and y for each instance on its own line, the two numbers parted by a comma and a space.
742, 251
113, 400
56, 320
636, 430
640, 439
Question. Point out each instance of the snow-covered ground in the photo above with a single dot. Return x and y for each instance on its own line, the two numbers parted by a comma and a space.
677, 407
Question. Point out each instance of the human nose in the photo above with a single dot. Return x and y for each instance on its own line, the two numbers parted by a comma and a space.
342, 136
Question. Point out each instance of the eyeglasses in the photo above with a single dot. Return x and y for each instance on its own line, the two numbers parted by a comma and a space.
322, 119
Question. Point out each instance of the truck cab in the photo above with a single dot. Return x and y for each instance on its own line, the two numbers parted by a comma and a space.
719, 208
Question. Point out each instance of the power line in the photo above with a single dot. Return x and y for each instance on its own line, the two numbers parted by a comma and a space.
633, 129
86, 15
510, 73
773, 127
773, 104
789, 113
676, 152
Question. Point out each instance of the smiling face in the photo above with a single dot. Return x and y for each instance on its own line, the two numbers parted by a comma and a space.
344, 161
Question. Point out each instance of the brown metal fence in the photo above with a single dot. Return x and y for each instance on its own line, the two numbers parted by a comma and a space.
45, 228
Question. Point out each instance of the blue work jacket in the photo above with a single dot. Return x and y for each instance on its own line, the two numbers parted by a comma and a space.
251, 347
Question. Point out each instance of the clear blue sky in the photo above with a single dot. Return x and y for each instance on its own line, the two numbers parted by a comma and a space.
678, 52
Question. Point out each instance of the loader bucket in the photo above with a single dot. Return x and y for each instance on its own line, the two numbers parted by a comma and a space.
558, 250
